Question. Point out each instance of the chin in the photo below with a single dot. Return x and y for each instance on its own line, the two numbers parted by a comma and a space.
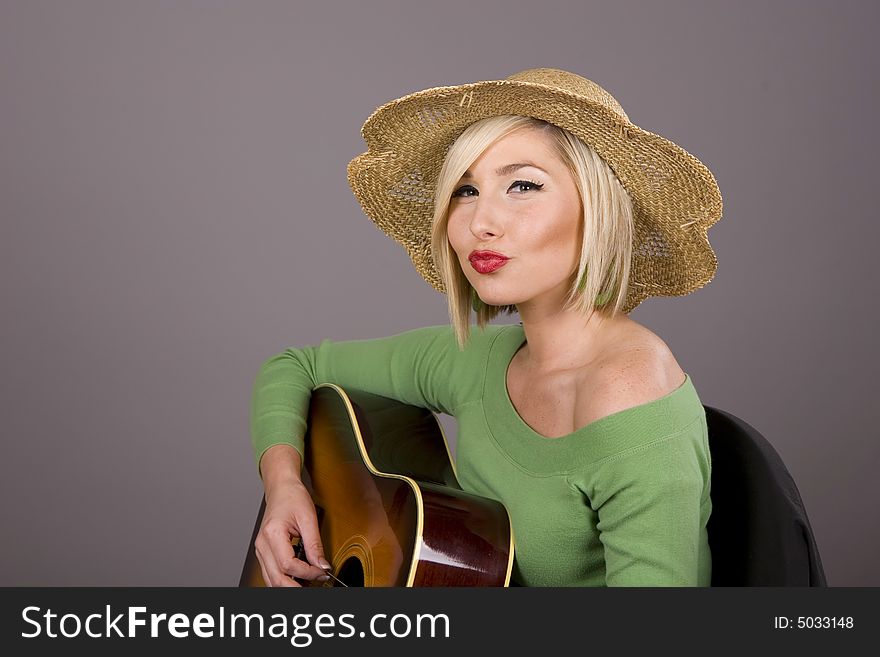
497, 295
498, 301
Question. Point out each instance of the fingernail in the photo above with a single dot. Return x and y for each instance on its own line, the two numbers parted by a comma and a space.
323, 564
323, 578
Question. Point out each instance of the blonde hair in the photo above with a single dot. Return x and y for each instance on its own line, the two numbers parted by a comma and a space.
607, 224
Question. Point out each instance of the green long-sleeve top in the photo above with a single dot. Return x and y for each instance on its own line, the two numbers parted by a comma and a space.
622, 501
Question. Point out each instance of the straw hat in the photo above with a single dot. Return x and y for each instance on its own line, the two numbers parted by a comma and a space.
675, 197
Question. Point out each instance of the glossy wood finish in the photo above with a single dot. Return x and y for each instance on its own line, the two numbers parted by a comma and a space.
390, 510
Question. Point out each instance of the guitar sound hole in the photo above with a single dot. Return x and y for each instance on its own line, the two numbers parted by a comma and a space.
352, 573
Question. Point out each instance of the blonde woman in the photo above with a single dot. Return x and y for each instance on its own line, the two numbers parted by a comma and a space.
532, 194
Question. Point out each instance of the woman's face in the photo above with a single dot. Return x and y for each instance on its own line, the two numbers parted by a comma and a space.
532, 215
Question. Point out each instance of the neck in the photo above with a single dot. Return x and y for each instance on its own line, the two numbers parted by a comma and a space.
559, 340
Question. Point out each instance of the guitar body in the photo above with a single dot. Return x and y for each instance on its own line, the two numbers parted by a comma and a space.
390, 509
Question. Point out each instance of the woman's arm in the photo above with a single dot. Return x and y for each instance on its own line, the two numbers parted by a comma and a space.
419, 367
280, 464
653, 504
422, 367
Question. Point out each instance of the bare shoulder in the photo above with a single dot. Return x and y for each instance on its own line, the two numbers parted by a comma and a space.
638, 369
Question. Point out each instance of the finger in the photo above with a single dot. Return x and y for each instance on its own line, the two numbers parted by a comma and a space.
277, 546
311, 540
273, 545
287, 561
299, 569
272, 575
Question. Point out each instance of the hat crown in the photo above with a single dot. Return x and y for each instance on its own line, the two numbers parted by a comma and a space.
570, 83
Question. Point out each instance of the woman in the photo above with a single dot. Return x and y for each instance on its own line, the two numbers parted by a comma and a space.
533, 194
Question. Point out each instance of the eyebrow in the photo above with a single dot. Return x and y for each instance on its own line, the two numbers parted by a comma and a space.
507, 169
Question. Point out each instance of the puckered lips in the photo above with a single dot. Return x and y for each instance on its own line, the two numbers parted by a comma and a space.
485, 262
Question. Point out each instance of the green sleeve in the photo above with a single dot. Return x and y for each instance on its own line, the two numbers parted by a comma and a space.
421, 367
652, 506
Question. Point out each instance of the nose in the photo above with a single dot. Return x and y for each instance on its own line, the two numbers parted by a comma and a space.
486, 221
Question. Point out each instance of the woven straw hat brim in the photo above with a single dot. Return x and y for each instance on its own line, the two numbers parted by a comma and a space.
675, 197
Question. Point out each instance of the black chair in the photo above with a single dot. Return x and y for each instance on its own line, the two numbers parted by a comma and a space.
759, 533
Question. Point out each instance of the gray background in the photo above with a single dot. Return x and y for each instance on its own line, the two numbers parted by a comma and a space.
175, 210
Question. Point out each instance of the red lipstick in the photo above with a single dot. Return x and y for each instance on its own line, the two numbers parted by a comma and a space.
486, 262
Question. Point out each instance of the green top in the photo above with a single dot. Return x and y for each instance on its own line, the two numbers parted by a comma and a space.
622, 501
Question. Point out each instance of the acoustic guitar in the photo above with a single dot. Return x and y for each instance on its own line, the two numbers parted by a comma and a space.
389, 506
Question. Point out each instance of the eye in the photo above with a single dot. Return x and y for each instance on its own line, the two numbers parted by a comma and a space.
526, 183
460, 191
464, 189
